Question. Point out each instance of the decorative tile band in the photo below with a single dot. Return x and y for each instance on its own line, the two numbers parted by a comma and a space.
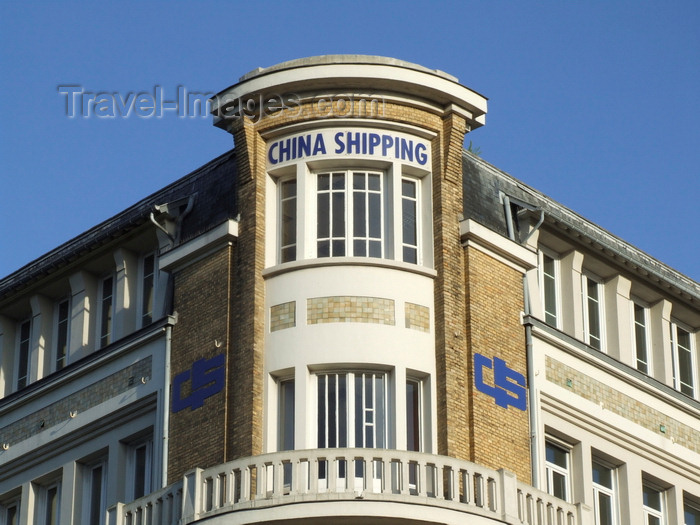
77, 402
417, 317
283, 316
350, 309
621, 404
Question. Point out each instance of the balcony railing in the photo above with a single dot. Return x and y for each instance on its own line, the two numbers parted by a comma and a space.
348, 474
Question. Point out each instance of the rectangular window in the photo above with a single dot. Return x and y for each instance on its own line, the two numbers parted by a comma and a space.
288, 220
62, 328
330, 210
549, 283
23, 348
604, 494
286, 425
691, 513
557, 468
48, 504
653, 506
409, 219
94, 491
593, 312
350, 214
139, 462
641, 337
106, 310
9, 513
683, 360
148, 288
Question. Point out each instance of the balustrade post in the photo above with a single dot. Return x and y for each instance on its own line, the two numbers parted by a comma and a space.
115, 514
191, 494
584, 514
507, 495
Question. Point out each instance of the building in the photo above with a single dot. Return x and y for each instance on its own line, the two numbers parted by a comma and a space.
349, 317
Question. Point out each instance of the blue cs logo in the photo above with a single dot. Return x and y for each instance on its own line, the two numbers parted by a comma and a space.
509, 385
207, 377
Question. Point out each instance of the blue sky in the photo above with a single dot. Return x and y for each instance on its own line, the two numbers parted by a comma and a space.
594, 103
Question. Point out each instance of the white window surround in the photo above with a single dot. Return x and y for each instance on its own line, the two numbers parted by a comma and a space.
306, 176
684, 359
593, 311
549, 274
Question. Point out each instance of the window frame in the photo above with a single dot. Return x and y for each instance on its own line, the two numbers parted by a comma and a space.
43, 516
611, 492
280, 182
589, 338
88, 500
556, 279
417, 200
147, 317
10, 504
635, 306
350, 411
553, 468
349, 236
105, 325
651, 512
131, 467
23, 349
60, 360
678, 383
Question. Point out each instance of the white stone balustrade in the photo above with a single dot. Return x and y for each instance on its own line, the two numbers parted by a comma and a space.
423, 483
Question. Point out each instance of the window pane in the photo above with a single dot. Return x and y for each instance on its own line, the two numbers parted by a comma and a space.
323, 211
51, 515
410, 255
106, 320
374, 182
96, 496
692, 515
140, 456
412, 416
338, 219
62, 336
24, 343
321, 397
375, 216
652, 498
558, 488
339, 181
605, 509
408, 210
557, 455
286, 415
323, 182
602, 475
358, 211
408, 188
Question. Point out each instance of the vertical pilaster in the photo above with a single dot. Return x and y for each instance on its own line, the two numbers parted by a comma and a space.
452, 363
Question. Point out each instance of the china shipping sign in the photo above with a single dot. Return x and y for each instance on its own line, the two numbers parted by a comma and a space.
509, 385
206, 378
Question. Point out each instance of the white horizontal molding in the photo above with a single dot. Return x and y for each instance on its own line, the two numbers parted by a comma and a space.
497, 246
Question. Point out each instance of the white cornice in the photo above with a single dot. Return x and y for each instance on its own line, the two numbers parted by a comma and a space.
501, 248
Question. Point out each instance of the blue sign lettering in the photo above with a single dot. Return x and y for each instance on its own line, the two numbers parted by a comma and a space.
509, 385
347, 143
207, 378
